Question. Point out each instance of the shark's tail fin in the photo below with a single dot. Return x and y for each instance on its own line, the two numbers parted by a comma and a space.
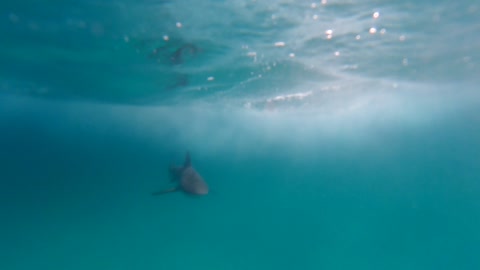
161, 192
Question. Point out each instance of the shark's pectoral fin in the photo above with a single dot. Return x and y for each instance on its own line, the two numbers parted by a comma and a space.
174, 189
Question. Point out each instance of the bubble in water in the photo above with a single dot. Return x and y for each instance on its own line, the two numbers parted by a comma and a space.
33, 26
329, 33
97, 29
13, 18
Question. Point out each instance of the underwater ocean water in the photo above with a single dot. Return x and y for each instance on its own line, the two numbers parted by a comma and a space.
333, 134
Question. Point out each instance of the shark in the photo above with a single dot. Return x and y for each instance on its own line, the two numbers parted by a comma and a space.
187, 178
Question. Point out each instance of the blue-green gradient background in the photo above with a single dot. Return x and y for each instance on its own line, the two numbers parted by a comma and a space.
356, 151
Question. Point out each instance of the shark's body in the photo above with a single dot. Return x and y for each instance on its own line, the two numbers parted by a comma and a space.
190, 181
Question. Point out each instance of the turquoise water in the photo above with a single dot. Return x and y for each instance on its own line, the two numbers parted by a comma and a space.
335, 135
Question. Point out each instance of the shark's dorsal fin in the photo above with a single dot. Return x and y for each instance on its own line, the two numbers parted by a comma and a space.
187, 162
